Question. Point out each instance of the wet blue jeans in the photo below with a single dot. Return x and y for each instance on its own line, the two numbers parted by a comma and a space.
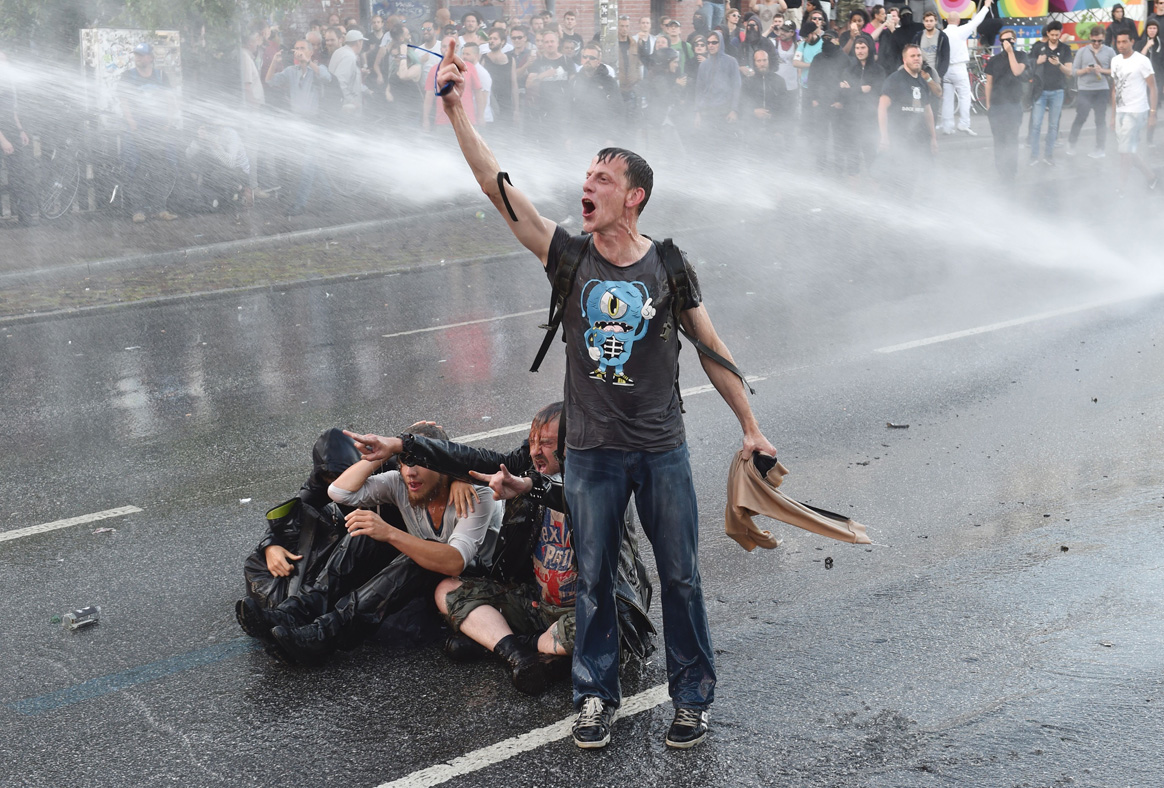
598, 484
1051, 102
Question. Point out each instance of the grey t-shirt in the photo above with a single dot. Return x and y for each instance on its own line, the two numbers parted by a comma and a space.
1086, 56
466, 535
622, 353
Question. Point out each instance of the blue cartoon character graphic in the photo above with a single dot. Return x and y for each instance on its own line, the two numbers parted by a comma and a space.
618, 314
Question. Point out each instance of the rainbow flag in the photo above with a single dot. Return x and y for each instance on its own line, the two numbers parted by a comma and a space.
1012, 9
963, 8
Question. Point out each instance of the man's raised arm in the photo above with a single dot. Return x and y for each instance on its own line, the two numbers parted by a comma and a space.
534, 231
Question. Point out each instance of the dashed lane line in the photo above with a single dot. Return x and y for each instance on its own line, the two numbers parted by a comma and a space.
464, 323
7, 536
1018, 321
504, 750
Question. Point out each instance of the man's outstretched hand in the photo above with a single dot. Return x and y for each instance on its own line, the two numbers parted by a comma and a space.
375, 448
505, 485
452, 69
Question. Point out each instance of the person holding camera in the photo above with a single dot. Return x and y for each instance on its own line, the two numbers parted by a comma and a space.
1052, 64
1004, 102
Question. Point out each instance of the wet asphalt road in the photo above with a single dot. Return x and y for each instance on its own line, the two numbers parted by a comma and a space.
1003, 630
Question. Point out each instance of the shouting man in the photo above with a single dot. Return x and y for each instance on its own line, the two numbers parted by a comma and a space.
622, 353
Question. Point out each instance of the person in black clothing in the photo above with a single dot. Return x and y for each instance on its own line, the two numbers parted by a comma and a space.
502, 69
596, 100
905, 118
548, 88
860, 92
14, 148
1005, 74
823, 87
1119, 24
768, 109
270, 567
1151, 45
1052, 65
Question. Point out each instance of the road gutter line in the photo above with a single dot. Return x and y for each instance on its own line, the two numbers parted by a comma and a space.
522, 428
7, 536
504, 750
1018, 321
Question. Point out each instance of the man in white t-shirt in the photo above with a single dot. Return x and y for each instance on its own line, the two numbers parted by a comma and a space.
956, 81
1133, 103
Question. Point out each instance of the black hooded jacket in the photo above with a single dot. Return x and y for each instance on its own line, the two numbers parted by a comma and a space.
826, 72
1118, 26
859, 105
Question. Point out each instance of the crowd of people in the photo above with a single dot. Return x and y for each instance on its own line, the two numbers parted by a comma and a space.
859, 90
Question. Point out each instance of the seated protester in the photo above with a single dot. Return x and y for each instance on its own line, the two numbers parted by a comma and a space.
298, 526
523, 608
219, 163
378, 568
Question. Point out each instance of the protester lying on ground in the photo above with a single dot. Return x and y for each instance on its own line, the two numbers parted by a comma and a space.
378, 567
522, 607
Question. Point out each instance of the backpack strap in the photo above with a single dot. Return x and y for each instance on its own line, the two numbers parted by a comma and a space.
680, 284
568, 263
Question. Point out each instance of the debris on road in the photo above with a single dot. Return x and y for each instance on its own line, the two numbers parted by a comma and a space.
893, 426
105, 531
244, 500
828, 563
1064, 549
82, 617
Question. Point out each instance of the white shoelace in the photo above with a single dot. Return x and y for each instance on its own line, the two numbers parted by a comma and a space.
591, 713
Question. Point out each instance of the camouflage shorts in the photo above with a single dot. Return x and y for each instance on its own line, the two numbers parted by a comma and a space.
520, 606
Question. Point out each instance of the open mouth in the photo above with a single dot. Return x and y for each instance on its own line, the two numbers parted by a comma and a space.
587, 208
613, 327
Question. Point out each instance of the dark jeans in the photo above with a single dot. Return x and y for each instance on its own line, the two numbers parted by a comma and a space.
1086, 102
598, 484
1005, 120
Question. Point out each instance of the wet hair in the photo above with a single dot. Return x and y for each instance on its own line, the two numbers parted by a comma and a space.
639, 174
549, 413
429, 431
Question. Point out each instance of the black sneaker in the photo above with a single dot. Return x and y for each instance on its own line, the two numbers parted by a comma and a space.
592, 728
688, 728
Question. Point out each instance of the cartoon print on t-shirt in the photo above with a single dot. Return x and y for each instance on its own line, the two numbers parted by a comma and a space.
618, 314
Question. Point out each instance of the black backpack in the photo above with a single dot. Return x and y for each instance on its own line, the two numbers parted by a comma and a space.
677, 279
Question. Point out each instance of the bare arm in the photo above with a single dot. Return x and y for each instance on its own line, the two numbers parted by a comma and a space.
698, 323
434, 556
531, 229
989, 90
354, 477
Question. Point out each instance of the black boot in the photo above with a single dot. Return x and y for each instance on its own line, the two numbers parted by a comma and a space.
461, 648
258, 621
557, 666
527, 669
312, 644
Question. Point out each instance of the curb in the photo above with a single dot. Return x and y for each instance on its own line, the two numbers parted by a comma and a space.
210, 251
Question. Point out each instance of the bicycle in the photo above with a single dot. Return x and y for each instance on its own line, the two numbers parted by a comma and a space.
59, 178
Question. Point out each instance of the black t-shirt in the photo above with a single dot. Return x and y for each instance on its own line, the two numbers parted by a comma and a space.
1005, 87
1050, 75
622, 353
909, 97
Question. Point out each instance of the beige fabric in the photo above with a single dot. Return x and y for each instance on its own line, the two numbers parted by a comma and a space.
749, 493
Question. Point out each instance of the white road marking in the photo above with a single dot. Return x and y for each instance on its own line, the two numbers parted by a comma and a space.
1018, 321
7, 536
466, 323
504, 750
